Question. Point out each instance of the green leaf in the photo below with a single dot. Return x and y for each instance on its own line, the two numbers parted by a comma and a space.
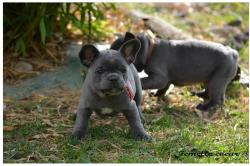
49, 24
42, 30
82, 19
67, 8
20, 47
62, 24
75, 21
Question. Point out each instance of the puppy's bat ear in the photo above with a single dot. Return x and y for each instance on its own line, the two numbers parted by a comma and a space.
88, 54
117, 44
130, 49
128, 36
120, 40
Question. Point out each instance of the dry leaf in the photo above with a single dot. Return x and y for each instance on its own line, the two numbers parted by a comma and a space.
42, 136
8, 128
39, 136
47, 122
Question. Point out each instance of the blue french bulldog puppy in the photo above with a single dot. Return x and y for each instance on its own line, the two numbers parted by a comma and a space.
111, 83
185, 62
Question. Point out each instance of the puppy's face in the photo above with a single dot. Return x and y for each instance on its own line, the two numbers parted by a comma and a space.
110, 73
108, 70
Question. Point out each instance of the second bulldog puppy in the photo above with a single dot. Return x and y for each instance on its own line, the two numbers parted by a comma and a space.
111, 83
185, 62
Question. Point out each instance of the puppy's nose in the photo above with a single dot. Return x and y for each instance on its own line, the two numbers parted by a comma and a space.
113, 78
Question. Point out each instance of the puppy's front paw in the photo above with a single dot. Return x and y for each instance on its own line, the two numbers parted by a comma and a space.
79, 134
202, 107
206, 107
142, 136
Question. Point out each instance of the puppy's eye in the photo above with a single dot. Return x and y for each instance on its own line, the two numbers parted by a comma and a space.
100, 71
123, 70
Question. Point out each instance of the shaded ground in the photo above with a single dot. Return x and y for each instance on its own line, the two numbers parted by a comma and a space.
65, 77
37, 128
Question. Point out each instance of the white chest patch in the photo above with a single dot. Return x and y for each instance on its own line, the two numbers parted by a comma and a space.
106, 110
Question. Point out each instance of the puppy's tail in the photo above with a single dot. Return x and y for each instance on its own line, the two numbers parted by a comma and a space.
235, 56
234, 53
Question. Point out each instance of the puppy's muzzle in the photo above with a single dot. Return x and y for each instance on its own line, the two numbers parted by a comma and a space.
113, 77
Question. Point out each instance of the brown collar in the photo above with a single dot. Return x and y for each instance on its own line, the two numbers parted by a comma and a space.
151, 44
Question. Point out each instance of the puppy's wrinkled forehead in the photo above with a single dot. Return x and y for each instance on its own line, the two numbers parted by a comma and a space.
111, 58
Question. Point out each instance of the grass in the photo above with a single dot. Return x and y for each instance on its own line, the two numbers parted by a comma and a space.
40, 132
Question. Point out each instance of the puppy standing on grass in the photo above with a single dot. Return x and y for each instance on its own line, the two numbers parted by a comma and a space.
111, 82
185, 62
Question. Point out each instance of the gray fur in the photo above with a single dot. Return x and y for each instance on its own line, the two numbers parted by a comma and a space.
187, 62
108, 74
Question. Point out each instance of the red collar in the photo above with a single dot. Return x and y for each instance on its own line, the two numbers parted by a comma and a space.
129, 92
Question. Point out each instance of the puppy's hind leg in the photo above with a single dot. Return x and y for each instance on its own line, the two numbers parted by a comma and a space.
161, 92
216, 88
138, 97
141, 114
74, 115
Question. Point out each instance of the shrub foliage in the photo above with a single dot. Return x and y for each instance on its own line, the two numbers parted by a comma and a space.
27, 22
